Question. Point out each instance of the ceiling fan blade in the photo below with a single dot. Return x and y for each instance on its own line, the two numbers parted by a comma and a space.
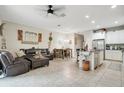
55, 14
58, 8
59, 15
62, 15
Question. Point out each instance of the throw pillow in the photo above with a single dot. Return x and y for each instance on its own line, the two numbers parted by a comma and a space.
38, 55
20, 53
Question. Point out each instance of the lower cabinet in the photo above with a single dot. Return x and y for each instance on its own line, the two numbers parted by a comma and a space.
113, 55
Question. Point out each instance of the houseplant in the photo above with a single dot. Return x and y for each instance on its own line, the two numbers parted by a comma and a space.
1, 29
3, 40
50, 40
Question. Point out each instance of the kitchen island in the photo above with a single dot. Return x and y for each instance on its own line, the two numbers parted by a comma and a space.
93, 56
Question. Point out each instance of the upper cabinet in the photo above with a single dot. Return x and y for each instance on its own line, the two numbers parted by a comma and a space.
113, 37
99, 35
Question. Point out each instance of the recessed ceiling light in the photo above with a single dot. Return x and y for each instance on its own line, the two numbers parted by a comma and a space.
116, 22
87, 16
113, 6
93, 21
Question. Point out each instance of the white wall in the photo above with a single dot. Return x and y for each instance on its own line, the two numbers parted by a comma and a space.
79, 41
59, 39
88, 38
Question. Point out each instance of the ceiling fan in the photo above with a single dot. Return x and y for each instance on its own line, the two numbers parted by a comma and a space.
54, 10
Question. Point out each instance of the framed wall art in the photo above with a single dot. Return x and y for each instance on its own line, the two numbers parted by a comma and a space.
30, 38
39, 37
20, 35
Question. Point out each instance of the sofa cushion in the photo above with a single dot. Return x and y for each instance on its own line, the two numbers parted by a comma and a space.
39, 56
9, 57
30, 51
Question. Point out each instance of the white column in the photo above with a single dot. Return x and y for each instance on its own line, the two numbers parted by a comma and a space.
92, 61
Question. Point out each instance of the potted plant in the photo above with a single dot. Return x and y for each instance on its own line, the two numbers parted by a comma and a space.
3, 40
1, 29
50, 40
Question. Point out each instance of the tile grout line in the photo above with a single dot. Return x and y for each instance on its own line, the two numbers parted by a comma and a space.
103, 74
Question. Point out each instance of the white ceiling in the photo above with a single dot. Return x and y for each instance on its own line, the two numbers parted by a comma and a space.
74, 21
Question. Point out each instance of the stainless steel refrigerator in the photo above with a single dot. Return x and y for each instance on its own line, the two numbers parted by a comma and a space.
99, 46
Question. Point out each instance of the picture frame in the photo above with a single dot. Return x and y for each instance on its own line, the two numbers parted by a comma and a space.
39, 37
20, 35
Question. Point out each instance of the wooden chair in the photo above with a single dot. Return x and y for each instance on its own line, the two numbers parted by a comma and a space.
68, 52
58, 53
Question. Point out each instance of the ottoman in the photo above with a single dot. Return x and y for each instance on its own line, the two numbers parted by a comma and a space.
38, 62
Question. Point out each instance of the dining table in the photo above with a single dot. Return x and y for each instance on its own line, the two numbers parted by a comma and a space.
63, 53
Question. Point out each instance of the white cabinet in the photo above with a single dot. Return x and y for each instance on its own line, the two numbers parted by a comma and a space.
98, 35
113, 55
116, 37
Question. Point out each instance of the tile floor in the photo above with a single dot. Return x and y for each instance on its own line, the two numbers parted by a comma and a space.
65, 73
